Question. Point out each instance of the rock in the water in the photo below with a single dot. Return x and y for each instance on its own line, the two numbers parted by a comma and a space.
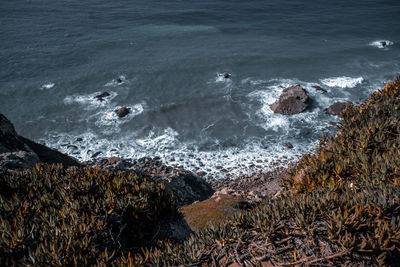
101, 96
336, 108
319, 88
122, 112
119, 80
96, 154
288, 145
383, 43
227, 75
293, 100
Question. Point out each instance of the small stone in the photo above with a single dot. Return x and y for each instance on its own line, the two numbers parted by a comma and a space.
227, 75
201, 173
288, 145
118, 80
79, 139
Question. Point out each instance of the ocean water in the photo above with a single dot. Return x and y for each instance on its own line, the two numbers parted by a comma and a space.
56, 56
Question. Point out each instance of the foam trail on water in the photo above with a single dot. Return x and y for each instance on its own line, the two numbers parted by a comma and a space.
342, 81
47, 86
381, 43
114, 82
89, 101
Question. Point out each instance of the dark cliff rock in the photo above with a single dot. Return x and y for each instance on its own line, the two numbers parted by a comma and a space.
293, 100
186, 186
17, 152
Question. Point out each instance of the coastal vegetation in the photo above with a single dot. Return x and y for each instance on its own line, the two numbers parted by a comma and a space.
340, 205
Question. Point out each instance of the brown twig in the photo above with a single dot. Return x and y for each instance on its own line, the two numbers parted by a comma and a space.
306, 260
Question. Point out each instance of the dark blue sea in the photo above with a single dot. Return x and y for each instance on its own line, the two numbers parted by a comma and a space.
57, 55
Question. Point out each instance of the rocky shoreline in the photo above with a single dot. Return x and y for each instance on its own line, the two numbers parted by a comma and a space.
17, 153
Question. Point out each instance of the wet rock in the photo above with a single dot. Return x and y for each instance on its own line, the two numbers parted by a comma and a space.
288, 145
79, 139
338, 107
383, 43
119, 80
122, 112
293, 100
101, 96
96, 154
227, 75
319, 88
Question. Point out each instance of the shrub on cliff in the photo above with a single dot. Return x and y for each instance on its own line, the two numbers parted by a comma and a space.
78, 216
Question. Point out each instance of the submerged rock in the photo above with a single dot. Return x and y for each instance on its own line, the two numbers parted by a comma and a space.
122, 112
319, 88
336, 108
293, 100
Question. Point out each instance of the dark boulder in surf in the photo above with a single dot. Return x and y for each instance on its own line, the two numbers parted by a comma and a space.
337, 108
122, 112
101, 96
293, 100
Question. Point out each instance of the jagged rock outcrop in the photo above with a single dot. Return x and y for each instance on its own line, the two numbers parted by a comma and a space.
293, 100
17, 152
186, 186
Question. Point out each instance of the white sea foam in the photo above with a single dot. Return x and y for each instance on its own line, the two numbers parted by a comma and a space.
253, 156
47, 86
109, 117
114, 82
90, 101
342, 81
221, 79
381, 43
